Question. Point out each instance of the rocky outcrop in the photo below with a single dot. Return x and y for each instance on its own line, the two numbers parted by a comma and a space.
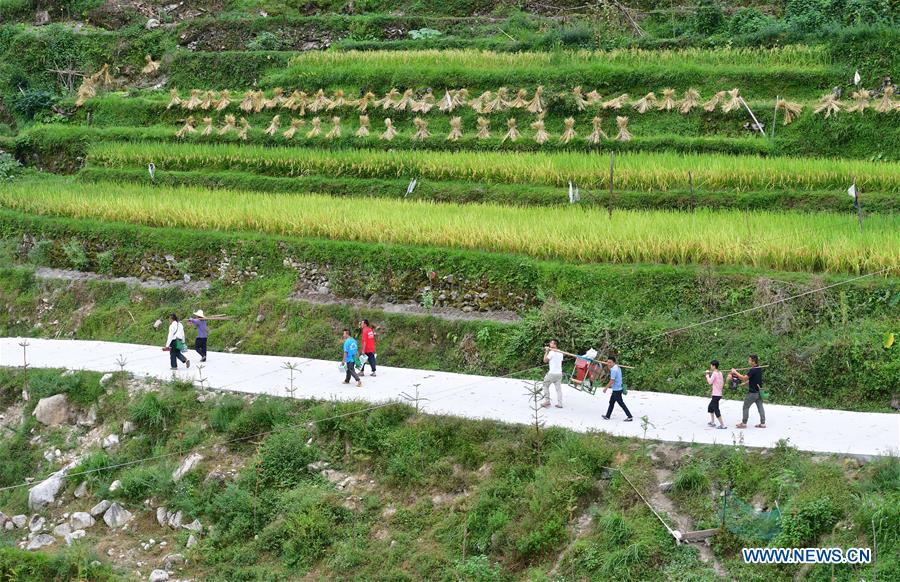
100, 508
40, 541
117, 516
81, 520
187, 465
45, 492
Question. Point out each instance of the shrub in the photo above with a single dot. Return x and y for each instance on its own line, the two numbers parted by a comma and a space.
82, 389
30, 102
804, 524
154, 415
91, 468
237, 516
105, 261
478, 569
708, 17
691, 478
265, 41
259, 417
39, 253
284, 456
75, 255
9, 167
140, 482
227, 408
809, 16
748, 21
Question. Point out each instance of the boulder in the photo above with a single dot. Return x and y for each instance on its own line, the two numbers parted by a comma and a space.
157, 324
159, 576
62, 530
41, 18
81, 491
40, 541
115, 486
161, 516
151, 24
87, 417
9, 526
187, 465
173, 560
81, 520
195, 526
75, 535
192, 541
36, 523
19, 521
666, 487
110, 441
100, 508
117, 516
3, 518
53, 410
105, 378
128, 427
175, 519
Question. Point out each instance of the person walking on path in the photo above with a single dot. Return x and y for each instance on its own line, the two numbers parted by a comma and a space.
175, 341
368, 347
754, 380
199, 321
715, 380
351, 351
554, 358
615, 382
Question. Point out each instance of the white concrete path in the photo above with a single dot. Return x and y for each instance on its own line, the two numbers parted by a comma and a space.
674, 418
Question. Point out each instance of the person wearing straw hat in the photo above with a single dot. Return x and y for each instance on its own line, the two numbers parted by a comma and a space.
199, 321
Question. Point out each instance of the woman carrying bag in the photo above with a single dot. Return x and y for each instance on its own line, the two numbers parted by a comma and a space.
175, 343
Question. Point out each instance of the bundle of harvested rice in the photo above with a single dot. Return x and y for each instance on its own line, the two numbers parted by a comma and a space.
224, 101
194, 102
86, 90
540, 133
512, 134
536, 105
208, 98
593, 97
363, 130
151, 67
335, 130
690, 100
790, 109
734, 101
406, 101
886, 104
860, 101
422, 132
624, 134
290, 132
714, 101
446, 105
291, 100
174, 99
425, 104
389, 131
207, 126
319, 102
455, 129
568, 130
499, 102
668, 100
389, 100
598, 132
460, 97
187, 128
229, 125
247, 103
259, 101
480, 103
274, 126
484, 128
617, 103
580, 102
338, 100
245, 129
520, 100
828, 104
645, 103
315, 128
277, 99
362, 104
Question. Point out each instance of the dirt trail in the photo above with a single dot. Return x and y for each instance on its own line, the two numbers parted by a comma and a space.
69, 275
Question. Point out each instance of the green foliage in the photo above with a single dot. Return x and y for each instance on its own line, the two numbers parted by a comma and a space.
284, 456
479, 568
9, 167
154, 415
708, 18
803, 525
141, 481
29, 102
105, 261
748, 21
67, 565
810, 16
227, 408
92, 469
261, 416
265, 41
691, 478
20, 458
81, 388
74, 252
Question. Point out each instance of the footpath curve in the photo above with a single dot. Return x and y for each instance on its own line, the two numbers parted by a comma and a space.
673, 418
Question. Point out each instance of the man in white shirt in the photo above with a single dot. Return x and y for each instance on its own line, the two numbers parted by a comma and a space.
554, 358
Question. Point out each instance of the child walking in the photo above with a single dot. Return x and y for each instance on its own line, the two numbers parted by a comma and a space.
715, 380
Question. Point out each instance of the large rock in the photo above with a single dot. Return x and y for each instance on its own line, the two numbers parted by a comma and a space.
159, 576
187, 465
75, 535
115, 486
117, 516
44, 493
52, 411
110, 441
195, 526
40, 541
87, 418
19, 521
175, 519
192, 541
36, 523
106, 378
62, 530
161, 516
173, 560
81, 520
81, 491
100, 508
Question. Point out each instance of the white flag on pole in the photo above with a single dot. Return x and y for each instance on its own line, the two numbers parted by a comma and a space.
851, 191
856, 78
571, 194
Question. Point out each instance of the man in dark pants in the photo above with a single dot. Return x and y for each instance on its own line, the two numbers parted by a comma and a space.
199, 321
754, 381
615, 382
351, 350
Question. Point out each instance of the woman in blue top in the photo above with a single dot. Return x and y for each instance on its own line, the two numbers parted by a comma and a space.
351, 349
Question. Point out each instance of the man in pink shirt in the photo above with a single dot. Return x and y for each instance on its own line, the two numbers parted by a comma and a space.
714, 379
368, 346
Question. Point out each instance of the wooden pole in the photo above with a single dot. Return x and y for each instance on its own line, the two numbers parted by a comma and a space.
738, 369
774, 117
602, 363
612, 165
691, 184
858, 202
